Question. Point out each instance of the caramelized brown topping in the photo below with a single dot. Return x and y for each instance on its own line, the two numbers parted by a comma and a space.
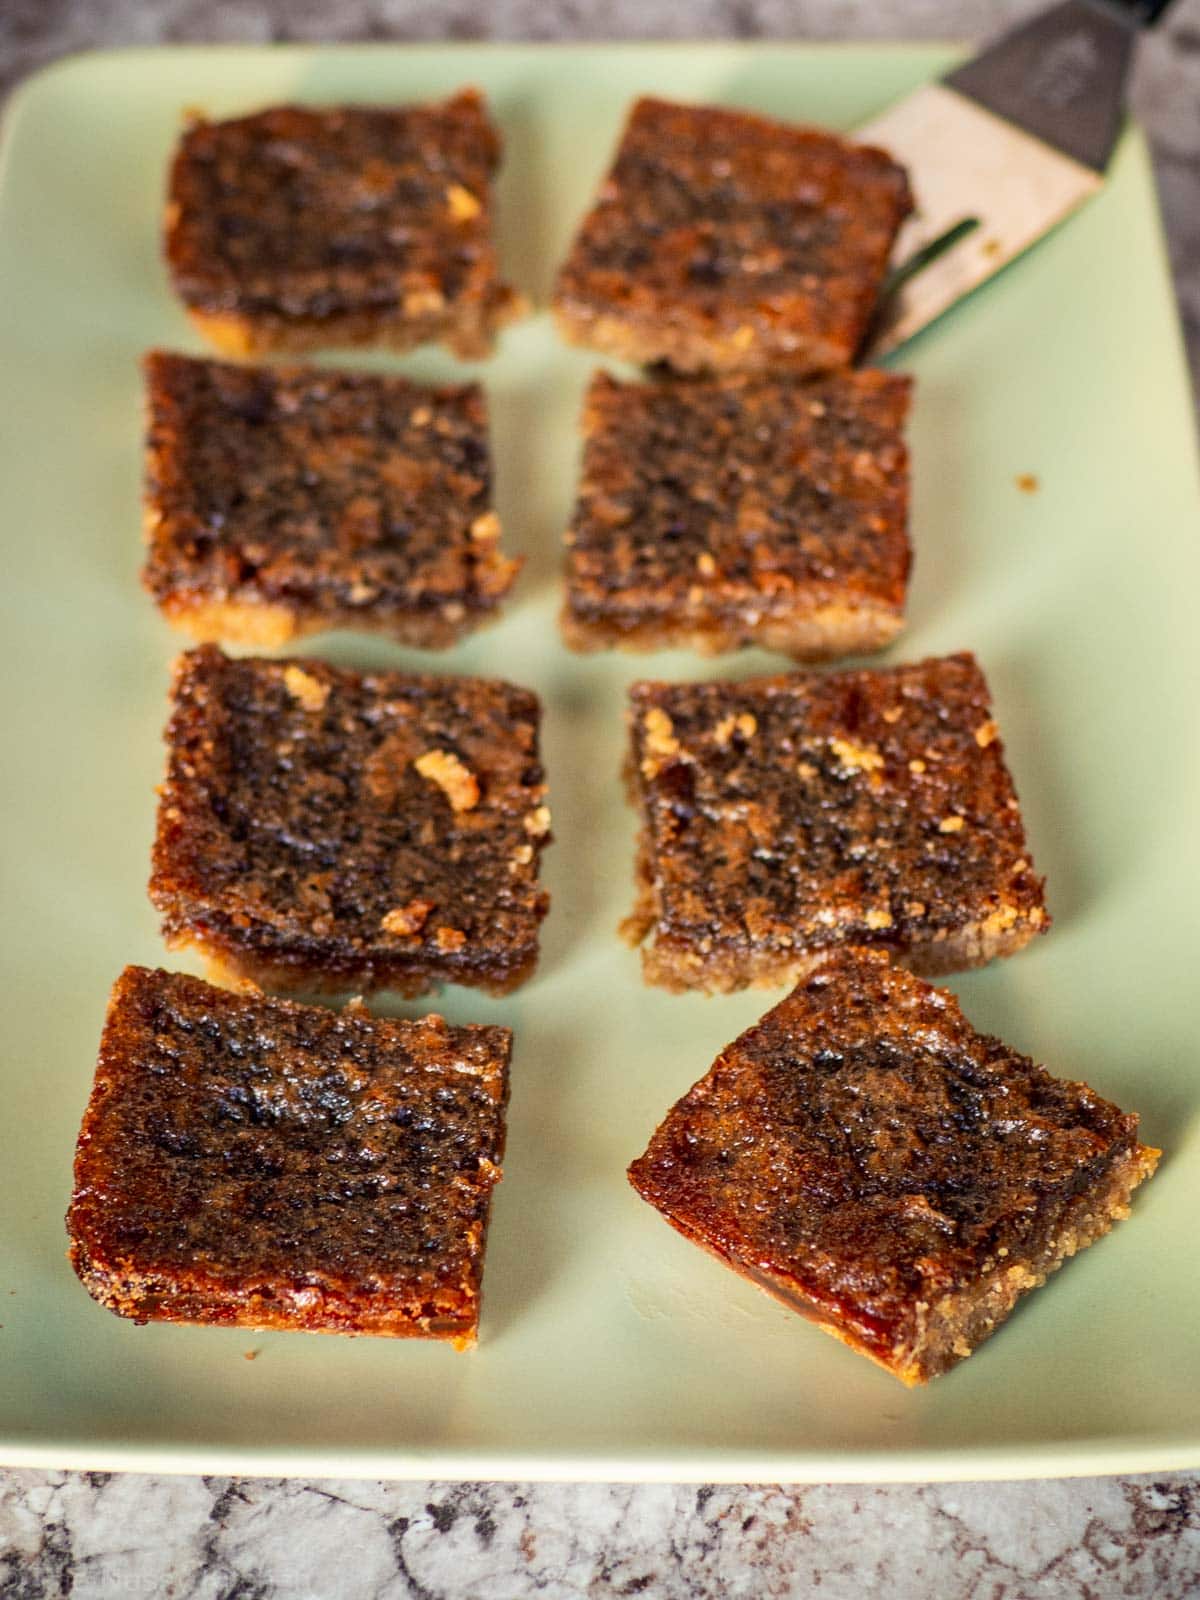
864, 1150
863, 808
723, 500
724, 239
303, 214
348, 498
301, 837
333, 1168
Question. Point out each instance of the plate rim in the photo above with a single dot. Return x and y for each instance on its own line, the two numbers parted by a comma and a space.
938, 1464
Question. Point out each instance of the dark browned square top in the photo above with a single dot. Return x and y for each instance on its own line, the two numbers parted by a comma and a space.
863, 1147
330, 492
815, 809
347, 822
233, 1141
739, 493
315, 213
717, 221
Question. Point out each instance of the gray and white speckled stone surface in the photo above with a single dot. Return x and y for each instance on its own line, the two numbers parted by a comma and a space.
97, 1536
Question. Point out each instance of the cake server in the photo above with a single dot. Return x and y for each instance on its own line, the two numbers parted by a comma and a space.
1001, 149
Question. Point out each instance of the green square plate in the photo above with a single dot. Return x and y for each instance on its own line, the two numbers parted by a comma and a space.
610, 1347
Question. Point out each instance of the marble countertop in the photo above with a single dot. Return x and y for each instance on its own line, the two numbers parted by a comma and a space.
100, 1535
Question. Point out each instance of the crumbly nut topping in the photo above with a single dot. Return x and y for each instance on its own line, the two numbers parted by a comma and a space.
537, 823
407, 920
425, 302
463, 204
310, 692
743, 722
458, 783
660, 733
660, 744
1001, 919
856, 757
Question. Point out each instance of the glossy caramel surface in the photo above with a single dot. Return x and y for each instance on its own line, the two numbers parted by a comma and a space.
369, 829
724, 239
296, 213
812, 810
241, 1154
864, 1151
740, 496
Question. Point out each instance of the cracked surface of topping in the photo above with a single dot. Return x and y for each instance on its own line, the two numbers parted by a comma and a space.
861, 808
723, 239
236, 1144
864, 1149
303, 216
303, 841
347, 498
721, 502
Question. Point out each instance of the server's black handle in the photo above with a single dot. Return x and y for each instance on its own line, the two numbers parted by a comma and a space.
1144, 12
1061, 74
